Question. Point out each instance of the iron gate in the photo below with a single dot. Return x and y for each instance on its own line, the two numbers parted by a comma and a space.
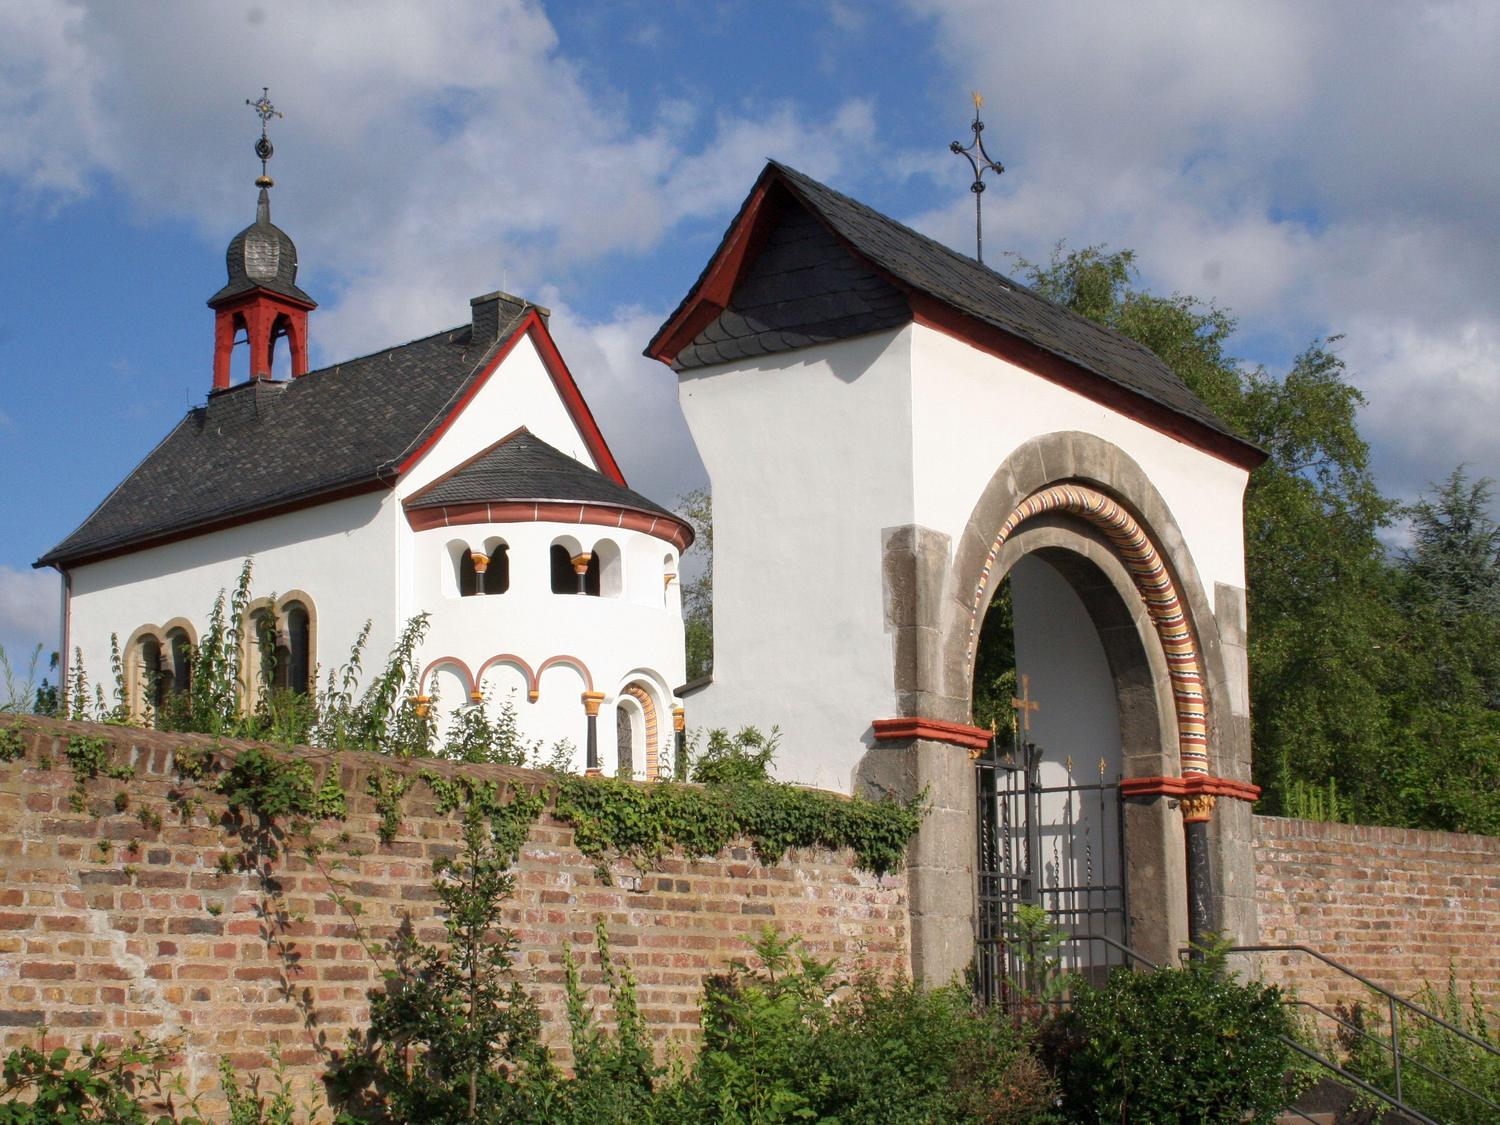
1059, 846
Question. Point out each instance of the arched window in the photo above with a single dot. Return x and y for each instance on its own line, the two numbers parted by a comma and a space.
626, 719
497, 574
294, 649
153, 683
180, 660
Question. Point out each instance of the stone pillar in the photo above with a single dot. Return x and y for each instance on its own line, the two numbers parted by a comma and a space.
679, 727
481, 564
581, 568
591, 701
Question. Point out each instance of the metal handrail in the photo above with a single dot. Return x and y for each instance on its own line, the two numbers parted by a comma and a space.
1394, 1003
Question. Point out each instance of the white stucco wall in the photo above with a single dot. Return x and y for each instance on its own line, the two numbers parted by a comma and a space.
971, 410
341, 554
808, 454
632, 635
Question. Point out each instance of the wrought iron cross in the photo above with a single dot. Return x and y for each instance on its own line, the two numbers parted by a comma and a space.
265, 111
980, 161
1024, 704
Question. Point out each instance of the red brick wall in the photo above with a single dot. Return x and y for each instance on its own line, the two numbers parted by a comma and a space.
1397, 905
145, 933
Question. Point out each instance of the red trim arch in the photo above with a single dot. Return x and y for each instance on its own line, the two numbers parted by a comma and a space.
446, 661
570, 661
1157, 589
515, 662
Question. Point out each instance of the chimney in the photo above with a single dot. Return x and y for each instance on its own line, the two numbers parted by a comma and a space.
494, 314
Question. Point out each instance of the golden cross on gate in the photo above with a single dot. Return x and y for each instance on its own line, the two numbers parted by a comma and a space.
1025, 705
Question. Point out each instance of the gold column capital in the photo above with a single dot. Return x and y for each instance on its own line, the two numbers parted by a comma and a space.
481, 561
1198, 807
581, 562
591, 701
679, 719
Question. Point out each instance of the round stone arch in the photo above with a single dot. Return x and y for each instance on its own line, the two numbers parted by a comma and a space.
1075, 457
931, 591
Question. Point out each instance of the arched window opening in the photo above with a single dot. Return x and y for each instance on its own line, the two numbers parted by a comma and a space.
591, 577
497, 573
294, 649
468, 575
239, 355
261, 657
668, 580
153, 680
626, 719
564, 578
280, 358
180, 660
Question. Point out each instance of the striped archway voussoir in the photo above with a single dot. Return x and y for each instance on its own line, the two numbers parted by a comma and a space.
1156, 587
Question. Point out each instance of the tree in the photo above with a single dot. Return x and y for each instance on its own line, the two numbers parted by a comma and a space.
1454, 560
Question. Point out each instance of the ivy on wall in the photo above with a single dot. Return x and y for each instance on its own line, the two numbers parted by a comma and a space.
611, 818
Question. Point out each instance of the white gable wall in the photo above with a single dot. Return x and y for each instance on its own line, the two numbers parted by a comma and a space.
809, 457
972, 410
518, 393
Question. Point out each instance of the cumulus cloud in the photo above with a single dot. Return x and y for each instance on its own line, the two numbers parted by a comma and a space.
29, 613
1317, 168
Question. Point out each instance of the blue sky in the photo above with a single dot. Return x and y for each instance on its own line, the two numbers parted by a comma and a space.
1318, 169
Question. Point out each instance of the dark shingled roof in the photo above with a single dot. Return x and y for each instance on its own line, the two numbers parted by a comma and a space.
929, 267
262, 256
261, 445
524, 467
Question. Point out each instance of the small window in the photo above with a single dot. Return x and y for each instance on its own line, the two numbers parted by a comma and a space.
180, 659
609, 568
153, 679
293, 653
591, 577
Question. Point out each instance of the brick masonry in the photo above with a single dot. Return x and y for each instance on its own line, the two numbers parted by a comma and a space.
108, 926
1397, 905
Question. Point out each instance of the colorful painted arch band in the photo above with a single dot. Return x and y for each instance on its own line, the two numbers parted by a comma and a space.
1156, 587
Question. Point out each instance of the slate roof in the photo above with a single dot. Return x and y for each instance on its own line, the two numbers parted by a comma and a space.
927, 266
803, 288
524, 467
262, 256
261, 445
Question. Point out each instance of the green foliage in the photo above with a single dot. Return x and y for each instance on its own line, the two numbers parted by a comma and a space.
614, 1070
786, 1039
12, 744
454, 1036
279, 1106
20, 690
1306, 800
738, 799
93, 1084
388, 788
1429, 1050
1189, 1044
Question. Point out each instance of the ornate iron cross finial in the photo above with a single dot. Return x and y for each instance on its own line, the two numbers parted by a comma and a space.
1024, 704
265, 111
980, 161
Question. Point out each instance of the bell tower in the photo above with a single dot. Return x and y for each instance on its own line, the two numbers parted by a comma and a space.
261, 298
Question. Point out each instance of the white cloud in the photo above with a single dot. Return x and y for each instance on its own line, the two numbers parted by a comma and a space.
30, 602
1317, 168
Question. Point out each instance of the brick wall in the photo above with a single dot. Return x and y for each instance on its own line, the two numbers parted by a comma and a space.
108, 926
1399, 906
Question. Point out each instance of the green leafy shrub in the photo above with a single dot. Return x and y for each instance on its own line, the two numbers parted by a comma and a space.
1427, 1047
92, 1084
1189, 1044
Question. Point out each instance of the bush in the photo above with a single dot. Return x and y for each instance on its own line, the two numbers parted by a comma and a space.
1189, 1044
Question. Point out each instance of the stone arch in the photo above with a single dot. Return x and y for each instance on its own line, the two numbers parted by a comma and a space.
1153, 582
651, 724
424, 681
510, 659
1080, 459
568, 661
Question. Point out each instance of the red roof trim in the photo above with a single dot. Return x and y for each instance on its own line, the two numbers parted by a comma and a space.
710, 295
669, 529
536, 329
